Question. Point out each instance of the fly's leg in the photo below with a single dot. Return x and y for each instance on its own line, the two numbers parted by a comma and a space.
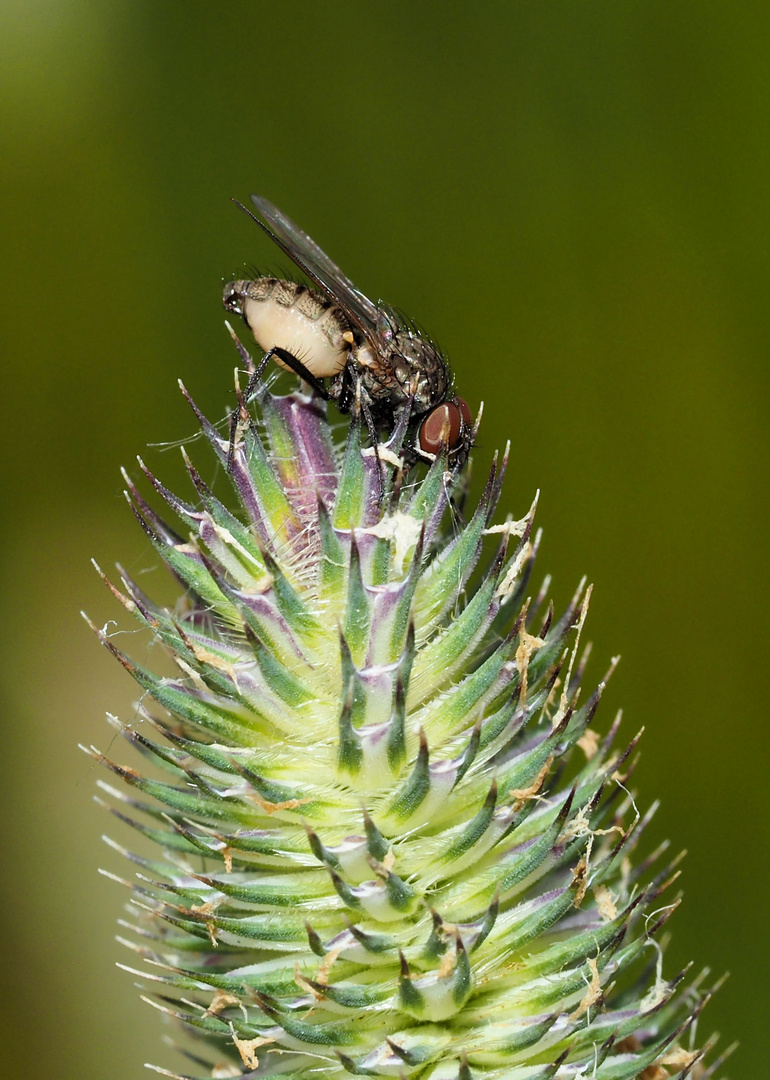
344, 390
296, 366
353, 398
256, 376
231, 440
395, 444
372, 429
292, 362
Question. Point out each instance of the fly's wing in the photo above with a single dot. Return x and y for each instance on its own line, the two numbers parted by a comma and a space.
309, 257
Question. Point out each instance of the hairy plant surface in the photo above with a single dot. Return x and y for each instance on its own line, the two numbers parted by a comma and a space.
390, 841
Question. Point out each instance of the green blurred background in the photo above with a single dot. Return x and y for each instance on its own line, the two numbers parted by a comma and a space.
574, 197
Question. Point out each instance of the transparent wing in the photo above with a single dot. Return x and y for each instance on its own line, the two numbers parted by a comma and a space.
304, 251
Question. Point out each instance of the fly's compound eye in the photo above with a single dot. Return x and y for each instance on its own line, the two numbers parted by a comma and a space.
444, 426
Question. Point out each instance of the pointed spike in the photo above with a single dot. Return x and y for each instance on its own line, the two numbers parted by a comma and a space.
119, 656
331, 564
471, 750
197, 480
351, 684
497, 488
400, 896
609, 739
593, 702
546, 626
248, 363
604, 1050
477, 826
221, 516
403, 615
376, 844
154, 537
279, 513
289, 600
488, 922
661, 921
520, 567
495, 569
139, 597
436, 944
462, 982
464, 1073
563, 815
350, 506
406, 1056
454, 648
406, 662
349, 1065
179, 506
211, 433
715, 1066
267, 1005
410, 997
358, 608
397, 728
321, 852
486, 502
438, 590
280, 681
164, 531
571, 616
125, 601
344, 891
545, 586
314, 941
373, 943
350, 753
582, 663
417, 786
431, 496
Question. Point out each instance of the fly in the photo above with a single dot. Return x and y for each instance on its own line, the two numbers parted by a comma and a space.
379, 365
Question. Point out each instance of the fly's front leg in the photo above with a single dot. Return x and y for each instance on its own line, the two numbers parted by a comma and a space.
292, 362
343, 390
256, 376
233, 431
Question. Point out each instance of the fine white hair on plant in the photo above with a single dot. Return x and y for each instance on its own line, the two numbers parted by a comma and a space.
390, 837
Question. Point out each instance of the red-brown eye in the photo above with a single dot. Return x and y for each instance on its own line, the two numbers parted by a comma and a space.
441, 427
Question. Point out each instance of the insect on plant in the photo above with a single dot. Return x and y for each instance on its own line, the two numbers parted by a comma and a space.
380, 366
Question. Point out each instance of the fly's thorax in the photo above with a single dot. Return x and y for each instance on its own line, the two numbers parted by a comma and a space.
292, 316
409, 365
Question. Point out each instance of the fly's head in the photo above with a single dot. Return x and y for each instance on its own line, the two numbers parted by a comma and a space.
448, 427
233, 296
443, 421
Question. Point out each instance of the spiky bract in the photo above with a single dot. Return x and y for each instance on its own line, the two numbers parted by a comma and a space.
391, 844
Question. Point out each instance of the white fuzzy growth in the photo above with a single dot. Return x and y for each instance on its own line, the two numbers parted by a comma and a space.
402, 530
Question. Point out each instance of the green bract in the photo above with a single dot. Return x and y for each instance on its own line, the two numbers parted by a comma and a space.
390, 843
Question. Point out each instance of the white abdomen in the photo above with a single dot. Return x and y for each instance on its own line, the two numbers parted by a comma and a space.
293, 317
